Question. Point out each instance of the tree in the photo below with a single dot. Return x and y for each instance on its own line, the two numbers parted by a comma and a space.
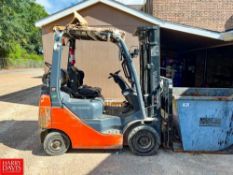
17, 19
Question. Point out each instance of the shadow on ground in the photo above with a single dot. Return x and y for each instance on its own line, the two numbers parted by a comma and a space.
28, 96
39, 77
21, 135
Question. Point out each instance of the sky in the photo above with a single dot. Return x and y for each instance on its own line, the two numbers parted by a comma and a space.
53, 6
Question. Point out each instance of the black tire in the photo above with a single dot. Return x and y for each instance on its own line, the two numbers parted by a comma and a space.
144, 140
56, 143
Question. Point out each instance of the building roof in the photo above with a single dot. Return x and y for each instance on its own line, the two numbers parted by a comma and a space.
132, 2
139, 14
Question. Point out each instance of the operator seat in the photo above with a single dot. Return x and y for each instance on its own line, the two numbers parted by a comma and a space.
76, 88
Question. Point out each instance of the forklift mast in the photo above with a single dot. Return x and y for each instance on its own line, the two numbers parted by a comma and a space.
149, 45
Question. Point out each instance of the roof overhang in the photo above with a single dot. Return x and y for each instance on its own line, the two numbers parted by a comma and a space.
138, 14
132, 2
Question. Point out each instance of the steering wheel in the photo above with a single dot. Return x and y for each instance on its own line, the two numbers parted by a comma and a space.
112, 74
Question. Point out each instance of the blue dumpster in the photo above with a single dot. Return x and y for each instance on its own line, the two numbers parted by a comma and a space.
204, 118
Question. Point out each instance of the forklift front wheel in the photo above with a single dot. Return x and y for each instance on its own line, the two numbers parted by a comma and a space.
56, 143
144, 140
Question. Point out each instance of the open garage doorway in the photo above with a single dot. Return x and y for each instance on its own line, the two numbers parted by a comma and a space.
195, 61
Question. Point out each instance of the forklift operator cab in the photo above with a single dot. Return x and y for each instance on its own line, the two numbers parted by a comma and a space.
70, 119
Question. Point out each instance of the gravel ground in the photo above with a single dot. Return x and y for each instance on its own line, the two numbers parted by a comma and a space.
19, 93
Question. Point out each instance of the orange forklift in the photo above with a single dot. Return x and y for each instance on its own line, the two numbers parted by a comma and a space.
72, 115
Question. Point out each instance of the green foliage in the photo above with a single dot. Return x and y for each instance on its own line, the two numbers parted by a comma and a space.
19, 38
20, 53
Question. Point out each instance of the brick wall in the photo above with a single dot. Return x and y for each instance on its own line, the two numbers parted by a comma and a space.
209, 14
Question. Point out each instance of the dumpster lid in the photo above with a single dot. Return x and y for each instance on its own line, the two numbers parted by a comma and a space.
203, 93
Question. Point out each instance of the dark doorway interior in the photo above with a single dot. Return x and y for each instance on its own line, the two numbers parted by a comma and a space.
194, 61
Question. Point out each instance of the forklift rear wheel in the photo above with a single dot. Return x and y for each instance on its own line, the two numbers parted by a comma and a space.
56, 143
144, 140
